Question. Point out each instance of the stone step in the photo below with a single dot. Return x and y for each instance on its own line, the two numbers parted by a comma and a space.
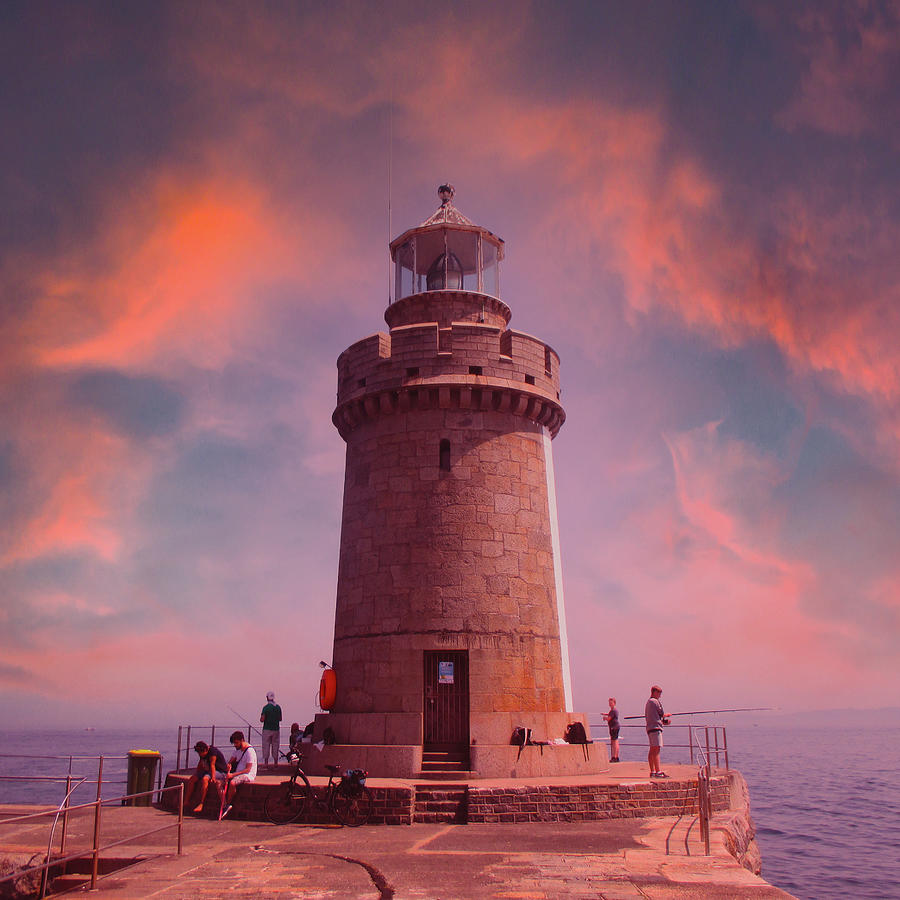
440, 795
441, 802
434, 817
445, 758
428, 784
446, 775
447, 806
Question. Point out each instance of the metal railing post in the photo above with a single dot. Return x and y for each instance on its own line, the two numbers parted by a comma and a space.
187, 751
65, 816
703, 781
49, 864
180, 817
725, 744
95, 848
709, 809
178, 751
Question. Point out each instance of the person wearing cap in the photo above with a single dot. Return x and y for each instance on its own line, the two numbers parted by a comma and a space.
656, 718
271, 722
211, 765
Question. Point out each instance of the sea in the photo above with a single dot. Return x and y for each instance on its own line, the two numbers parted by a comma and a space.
824, 788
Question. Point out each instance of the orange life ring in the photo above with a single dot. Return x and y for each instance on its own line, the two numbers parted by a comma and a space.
327, 689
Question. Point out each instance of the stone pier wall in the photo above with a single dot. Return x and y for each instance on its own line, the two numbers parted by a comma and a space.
590, 802
391, 805
547, 803
735, 825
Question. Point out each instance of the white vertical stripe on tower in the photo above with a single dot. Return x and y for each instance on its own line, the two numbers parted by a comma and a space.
557, 570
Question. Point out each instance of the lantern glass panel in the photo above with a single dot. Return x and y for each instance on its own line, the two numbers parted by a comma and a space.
491, 270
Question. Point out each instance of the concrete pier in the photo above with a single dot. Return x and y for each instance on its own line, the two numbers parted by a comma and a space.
634, 855
627, 858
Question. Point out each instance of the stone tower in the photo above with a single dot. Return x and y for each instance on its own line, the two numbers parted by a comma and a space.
449, 625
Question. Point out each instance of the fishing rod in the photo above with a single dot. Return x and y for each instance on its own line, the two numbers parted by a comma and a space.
249, 726
703, 712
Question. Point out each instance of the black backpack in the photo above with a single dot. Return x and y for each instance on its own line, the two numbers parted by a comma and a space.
575, 733
520, 736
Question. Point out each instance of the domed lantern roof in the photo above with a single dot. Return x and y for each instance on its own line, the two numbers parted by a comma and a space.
447, 252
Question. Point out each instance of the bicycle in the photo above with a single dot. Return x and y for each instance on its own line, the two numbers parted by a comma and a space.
347, 798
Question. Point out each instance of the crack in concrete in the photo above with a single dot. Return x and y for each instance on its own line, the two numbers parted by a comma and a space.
385, 889
383, 886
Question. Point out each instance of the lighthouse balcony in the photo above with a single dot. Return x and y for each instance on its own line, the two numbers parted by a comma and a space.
464, 353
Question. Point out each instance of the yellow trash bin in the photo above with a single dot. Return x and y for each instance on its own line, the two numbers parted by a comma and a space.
141, 775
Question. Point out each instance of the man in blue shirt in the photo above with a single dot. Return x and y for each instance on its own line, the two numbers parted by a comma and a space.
211, 765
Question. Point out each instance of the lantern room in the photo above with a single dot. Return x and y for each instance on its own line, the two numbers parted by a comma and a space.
447, 252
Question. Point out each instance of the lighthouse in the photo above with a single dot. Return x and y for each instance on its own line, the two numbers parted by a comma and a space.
450, 625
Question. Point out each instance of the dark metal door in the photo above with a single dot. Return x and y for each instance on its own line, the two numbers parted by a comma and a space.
446, 699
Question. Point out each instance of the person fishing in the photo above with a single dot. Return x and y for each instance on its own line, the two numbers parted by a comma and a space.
270, 717
612, 720
655, 717
242, 769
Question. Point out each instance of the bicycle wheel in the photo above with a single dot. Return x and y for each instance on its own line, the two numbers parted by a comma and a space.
351, 804
288, 801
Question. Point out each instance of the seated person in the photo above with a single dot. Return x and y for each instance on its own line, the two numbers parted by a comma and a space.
295, 753
211, 765
241, 768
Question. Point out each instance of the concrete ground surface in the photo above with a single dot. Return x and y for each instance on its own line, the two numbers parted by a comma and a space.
615, 859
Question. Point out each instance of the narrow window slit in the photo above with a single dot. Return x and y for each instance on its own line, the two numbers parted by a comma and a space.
445, 455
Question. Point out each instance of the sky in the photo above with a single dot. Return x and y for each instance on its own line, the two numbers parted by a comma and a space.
701, 212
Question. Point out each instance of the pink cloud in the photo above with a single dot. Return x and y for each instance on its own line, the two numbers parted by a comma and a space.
176, 278
851, 55
662, 217
110, 677
180, 266
79, 484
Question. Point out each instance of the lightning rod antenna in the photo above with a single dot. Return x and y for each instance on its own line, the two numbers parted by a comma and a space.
390, 12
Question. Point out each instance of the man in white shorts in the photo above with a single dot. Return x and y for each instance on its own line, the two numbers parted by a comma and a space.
241, 768
656, 718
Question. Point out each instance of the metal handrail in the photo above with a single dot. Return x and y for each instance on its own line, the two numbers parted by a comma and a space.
96, 847
185, 732
704, 740
704, 796
55, 778
64, 756
714, 748
68, 775
64, 805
